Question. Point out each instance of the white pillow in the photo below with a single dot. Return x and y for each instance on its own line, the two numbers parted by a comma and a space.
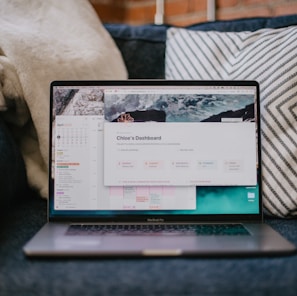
270, 57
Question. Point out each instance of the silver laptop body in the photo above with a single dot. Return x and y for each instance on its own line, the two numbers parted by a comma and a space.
155, 168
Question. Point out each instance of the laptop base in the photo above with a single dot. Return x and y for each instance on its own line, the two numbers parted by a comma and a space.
51, 241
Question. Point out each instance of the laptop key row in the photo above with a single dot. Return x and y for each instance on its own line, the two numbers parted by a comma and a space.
158, 229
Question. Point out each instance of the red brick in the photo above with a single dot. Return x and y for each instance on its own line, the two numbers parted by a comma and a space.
262, 2
107, 2
108, 13
186, 20
227, 3
286, 8
242, 13
140, 14
198, 5
138, 2
176, 7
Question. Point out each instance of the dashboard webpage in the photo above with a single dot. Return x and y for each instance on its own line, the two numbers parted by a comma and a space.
156, 149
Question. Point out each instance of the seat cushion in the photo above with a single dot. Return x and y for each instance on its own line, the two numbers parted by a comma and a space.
13, 183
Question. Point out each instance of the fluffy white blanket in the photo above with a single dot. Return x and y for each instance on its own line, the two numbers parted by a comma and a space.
42, 41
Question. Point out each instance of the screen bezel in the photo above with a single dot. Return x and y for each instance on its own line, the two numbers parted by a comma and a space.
111, 216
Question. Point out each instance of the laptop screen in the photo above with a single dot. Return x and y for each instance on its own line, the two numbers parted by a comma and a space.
176, 149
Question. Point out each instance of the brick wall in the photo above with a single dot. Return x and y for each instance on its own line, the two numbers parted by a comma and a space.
185, 12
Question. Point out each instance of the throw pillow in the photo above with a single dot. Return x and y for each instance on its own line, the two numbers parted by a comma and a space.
270, 57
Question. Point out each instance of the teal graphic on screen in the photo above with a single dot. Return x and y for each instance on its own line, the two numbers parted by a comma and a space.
227, 200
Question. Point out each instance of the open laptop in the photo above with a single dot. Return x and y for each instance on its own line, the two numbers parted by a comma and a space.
155, 168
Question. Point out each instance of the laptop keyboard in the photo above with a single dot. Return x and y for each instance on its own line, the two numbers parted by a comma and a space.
158, 229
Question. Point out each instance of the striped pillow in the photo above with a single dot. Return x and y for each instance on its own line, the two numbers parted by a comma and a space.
270, 57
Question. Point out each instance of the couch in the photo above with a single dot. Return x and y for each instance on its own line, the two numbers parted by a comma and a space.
23, 212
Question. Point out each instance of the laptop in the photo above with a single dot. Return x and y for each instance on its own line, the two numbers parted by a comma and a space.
148, 168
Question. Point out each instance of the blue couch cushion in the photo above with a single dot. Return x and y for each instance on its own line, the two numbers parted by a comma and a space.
13, 182
143, 47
